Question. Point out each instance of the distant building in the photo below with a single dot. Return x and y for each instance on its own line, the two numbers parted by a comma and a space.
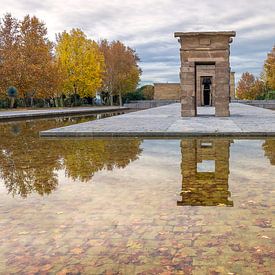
167, 91
172, 91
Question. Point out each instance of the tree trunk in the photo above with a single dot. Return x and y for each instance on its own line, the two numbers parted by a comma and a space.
111, 100
12, 102
31, 101
75, 92
26, 101
120, 99
56, 102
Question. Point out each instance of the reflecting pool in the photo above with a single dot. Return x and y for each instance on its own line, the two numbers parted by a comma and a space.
133, 206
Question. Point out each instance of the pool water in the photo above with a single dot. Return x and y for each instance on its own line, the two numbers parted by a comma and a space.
134, 206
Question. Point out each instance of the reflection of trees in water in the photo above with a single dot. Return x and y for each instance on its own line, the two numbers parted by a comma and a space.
86, 157
30, 164
269, 149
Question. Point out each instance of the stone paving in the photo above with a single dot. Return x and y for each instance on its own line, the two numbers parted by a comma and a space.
11, 115
166, 121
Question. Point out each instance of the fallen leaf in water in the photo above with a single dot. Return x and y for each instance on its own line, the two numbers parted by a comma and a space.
264, 223
58, 213
235, 247
133, 244
258, 249
23, 233
95, 242
77, 251
34, 270
63, 272
46, 267
163, 249
265, 237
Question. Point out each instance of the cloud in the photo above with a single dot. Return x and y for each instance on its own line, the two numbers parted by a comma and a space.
148, 27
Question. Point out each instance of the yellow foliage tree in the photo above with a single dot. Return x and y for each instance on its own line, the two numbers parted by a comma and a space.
82, 63
270, 69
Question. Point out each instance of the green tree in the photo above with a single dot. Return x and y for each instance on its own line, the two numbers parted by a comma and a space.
148, 92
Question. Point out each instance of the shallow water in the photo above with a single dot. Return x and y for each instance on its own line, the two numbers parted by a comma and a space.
133, 206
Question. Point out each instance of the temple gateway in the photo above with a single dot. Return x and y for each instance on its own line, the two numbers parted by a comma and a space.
205, 75
205, 71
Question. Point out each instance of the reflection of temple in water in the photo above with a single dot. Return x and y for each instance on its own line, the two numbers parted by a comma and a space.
205, 172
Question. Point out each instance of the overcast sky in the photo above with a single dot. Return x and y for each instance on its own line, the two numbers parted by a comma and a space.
148, 27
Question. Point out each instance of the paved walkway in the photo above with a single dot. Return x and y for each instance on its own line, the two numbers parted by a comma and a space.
12, 115
165, 121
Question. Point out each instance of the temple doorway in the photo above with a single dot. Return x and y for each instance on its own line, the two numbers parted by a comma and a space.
206, 91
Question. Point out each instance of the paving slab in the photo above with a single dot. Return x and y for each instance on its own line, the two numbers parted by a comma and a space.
23, 114
166, 121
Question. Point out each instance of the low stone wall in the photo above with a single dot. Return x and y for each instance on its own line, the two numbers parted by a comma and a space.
267, 104
146, 104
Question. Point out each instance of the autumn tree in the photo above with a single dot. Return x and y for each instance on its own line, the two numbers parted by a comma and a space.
81, 61
249, 87
269, 69
37, 72
122, 73
9, 53
26, 54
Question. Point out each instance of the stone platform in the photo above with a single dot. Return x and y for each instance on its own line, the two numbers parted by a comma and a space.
54, 112
165, 121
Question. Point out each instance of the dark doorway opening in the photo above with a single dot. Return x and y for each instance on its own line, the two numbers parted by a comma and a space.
206, 95
207, 91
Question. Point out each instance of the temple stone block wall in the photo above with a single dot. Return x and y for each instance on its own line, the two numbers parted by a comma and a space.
167, 91
205, 71
232, 85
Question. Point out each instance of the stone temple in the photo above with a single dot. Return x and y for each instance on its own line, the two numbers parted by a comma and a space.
205, 73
